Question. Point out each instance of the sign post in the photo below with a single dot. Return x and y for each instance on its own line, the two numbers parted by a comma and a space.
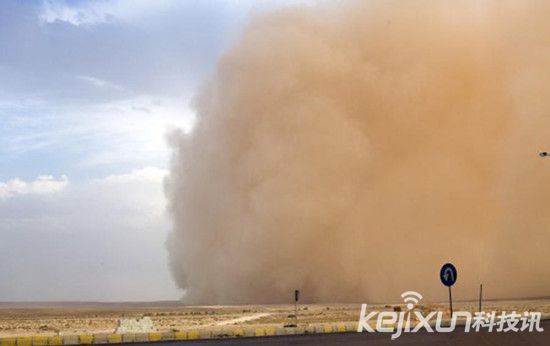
480, 295
448, 276
296, 298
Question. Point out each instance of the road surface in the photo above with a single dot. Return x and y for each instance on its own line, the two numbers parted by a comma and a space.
354, 339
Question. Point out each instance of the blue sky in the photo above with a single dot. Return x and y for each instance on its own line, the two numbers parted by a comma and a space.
88, 91
68, 68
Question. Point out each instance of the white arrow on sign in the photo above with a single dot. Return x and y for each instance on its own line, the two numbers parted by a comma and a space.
448, 271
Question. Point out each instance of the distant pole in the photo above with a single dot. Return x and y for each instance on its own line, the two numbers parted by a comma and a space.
296, 297
451, 301
296, 313
480, 295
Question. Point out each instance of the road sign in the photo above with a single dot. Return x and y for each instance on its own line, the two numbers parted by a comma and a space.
448, 274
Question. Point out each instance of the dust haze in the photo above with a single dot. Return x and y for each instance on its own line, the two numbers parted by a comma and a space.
350, 149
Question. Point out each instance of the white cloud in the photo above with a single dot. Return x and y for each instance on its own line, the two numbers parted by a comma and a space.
100, 83
100, 11
126, 133
44, 184
133, 131
149, 174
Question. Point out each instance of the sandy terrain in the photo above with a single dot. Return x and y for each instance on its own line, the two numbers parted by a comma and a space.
242, 320
21, 319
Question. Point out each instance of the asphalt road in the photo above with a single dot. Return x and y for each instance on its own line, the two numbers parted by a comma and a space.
421, 339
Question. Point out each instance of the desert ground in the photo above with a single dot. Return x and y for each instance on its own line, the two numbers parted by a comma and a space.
24, 319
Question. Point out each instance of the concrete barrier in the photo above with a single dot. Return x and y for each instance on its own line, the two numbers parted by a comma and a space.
155, 336
24, 341
205, 334
280, 331
100, 338
70, 340
220, 333
290, 330
341, 328
8, 341
180, 335
55, 340
193, 334
224, 332
351, 327
168, 336
39, 340
238, 332
85, 339
114, 338
128, 337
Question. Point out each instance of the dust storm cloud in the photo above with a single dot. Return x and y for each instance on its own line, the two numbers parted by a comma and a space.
350, 150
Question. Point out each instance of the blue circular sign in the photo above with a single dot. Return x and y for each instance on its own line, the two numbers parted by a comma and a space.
448, 274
